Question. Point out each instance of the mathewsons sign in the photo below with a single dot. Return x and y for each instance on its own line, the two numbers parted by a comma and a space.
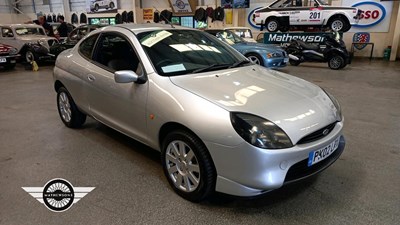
375, 16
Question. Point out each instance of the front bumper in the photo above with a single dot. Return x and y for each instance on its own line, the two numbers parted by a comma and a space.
246, 170
276, 62
10, 59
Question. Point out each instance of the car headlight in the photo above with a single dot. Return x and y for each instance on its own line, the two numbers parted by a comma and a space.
260, 132
13, 51
336, 104
273, 55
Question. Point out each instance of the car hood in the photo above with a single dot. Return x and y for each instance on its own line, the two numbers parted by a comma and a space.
257, 46
295, 105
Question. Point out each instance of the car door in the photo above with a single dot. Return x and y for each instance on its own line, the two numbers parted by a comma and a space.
121, 106
312, 13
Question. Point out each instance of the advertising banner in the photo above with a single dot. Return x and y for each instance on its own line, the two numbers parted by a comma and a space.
375, 16
101, 6
280, 38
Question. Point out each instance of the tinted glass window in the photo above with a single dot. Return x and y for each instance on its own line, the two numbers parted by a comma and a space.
116, 53
177, 52
86, 47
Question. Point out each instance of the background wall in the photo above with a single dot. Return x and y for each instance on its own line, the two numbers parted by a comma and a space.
67, 7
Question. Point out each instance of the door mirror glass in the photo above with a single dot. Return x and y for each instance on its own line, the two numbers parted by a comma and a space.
125, 76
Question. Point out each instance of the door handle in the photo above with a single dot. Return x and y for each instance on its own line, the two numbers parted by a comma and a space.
91, 78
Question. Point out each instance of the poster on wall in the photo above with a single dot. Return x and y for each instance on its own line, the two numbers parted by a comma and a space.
101, 6
235, 4
375, 16
181, 6
250, 12
148, 14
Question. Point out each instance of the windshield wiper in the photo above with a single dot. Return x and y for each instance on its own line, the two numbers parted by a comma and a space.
237, 64
210, 67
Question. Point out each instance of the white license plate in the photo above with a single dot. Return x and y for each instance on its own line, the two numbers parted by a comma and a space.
286, 60
3, 60
321, 154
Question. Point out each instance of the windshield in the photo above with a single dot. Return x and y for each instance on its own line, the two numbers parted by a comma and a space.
229, 37
243, 33
322, 2
280, 3
29, 31
178, 52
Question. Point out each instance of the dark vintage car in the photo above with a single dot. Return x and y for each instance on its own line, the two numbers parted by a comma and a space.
76, 35
8, 56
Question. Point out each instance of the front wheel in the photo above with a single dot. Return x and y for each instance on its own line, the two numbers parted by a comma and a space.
68, 111
336, 62
255, 58
29, 56
112, 5
294, 62
188, 166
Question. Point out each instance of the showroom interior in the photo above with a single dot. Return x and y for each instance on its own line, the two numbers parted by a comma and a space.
199, 111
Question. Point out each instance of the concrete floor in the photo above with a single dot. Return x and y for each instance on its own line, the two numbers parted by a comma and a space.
362, 187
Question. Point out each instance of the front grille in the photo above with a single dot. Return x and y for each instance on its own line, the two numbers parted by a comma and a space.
302, 170
317, 134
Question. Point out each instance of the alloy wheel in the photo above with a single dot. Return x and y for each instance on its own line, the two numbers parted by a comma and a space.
272, 25
335, 62
337, 25
254, 59
183, 166
64, 107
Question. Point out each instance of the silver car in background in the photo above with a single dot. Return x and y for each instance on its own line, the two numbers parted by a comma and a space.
220, 122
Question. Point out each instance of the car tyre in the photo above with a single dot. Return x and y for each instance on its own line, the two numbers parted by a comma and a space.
294, 62
188, 166
68, 111
272, 25
255, 58
336, 62
96, 8
30, 56
112, 5
339, 24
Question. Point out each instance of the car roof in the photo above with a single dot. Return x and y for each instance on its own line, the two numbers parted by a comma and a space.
139, 28
21, 25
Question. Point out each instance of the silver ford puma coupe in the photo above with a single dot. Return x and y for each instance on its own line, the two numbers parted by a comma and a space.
221, 123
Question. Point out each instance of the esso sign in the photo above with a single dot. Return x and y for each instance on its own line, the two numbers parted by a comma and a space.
373, 13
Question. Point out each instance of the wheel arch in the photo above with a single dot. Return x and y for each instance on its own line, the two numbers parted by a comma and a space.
338, 15
58, 85
173, 126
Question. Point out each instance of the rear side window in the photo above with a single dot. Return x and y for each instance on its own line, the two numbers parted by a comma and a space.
86, 47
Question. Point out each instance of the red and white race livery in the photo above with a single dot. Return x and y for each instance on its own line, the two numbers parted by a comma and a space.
283, 14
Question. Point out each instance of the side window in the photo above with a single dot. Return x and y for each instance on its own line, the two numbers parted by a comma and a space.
86, 47
116, 53
6, 32
74, 35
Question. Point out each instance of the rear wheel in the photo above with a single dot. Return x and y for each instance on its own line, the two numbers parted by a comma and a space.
336, 62
188, 166
96, 7
68, 111
255, 58
339, 24
112, 5
272, 25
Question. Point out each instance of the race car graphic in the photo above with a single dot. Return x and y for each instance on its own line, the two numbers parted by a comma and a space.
283, 14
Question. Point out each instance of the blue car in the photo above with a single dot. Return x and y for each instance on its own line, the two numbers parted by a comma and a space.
258, 53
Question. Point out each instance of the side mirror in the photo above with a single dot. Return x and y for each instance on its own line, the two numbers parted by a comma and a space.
125, 76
